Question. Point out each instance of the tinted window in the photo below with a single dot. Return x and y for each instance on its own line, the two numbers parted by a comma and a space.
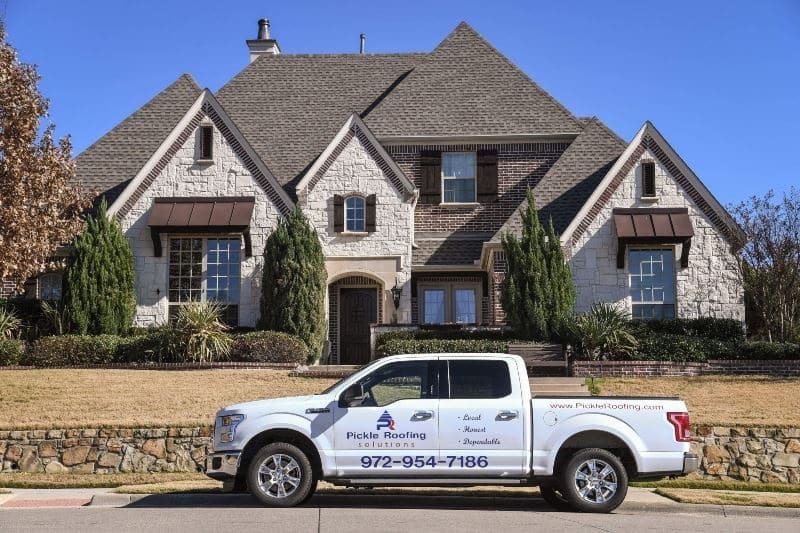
408, 380
472, 379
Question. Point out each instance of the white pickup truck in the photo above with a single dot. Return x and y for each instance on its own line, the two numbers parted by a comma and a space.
450, 419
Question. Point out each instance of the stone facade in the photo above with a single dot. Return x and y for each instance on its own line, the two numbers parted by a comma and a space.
105, 451
748, 454
183, 176
709, 286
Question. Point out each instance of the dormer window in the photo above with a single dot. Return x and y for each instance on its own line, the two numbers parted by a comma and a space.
354, 214
648, 179
206, 151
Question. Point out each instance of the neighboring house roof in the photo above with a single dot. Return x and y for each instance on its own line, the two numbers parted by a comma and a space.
112, 161
290, 106
567, 185
466, 87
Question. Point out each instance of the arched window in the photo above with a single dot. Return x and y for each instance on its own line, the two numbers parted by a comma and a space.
354, 214
50, 287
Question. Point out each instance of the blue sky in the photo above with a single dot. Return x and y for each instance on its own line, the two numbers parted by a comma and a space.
720, 79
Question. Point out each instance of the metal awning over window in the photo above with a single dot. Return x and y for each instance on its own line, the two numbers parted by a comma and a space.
653, 226
201, 215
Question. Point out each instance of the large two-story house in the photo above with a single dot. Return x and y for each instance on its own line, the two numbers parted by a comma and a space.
411, 167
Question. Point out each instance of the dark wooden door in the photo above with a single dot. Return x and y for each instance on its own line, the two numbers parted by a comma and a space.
358, 308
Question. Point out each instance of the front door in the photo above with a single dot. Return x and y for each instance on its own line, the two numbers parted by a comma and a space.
358, 308
394, 429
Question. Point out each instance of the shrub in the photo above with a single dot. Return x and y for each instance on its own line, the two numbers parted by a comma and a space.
68, 350
268, 347
11, 351
202, 334
602, 333
394, 346
680, 348
156, 345
768, 350
99, 287
721, 329
9, 323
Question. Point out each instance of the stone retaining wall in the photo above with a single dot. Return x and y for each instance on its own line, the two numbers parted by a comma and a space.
104, 451
748, 454
770, 367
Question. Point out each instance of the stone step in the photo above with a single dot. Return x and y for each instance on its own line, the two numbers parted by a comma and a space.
549, 380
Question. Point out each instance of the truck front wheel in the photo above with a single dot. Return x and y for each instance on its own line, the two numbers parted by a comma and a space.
280, 475
594, 481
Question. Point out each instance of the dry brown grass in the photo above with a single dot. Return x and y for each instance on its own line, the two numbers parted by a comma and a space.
729, 497
721, 400
131, 398
24, 480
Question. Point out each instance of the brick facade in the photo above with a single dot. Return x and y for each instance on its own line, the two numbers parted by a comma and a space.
780, 368
519, 166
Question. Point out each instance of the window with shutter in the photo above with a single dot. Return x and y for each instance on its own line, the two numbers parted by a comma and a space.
371, 212
431, 177
338, 213
459, 170
648, 180
487, 176
206, 142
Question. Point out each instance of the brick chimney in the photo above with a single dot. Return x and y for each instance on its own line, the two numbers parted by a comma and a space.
262, 44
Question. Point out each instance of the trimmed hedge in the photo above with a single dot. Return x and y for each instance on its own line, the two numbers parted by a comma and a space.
394, 346
768, 350
159, 345
268, 347
68, 350
679, 348
720, 329
11, 351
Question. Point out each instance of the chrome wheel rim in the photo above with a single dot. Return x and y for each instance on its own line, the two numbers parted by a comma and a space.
596, 481
279, 476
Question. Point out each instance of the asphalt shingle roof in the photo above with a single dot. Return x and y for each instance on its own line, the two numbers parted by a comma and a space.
566, 187
453, 250
113, 160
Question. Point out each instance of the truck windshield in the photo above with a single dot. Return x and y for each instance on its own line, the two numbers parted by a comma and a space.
368, 365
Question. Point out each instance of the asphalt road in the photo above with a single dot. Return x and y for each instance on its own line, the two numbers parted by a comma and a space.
386, 514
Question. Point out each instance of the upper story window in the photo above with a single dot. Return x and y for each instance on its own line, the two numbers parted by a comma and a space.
355, 214
206, 151
648, 179
652, 283
459, 173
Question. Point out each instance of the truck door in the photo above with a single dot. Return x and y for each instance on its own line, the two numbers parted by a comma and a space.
481, 419
387, 424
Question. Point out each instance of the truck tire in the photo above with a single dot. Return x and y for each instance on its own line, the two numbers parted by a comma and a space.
554, 497
594, 481
280, 475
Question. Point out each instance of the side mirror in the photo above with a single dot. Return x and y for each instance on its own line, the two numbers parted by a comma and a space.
352, 395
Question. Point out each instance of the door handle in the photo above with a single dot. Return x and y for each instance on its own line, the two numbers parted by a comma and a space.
505, 416
420, 416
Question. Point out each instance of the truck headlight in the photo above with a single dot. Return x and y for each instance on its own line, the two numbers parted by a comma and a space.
227, 425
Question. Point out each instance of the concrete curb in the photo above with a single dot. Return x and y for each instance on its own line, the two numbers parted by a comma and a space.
113, 499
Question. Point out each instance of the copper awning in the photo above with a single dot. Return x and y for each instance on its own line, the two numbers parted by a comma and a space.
653, 226
206, 215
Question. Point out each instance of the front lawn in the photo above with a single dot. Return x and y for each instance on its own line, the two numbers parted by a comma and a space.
150, 398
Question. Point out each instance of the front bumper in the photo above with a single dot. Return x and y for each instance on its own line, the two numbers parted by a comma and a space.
222, 466
691, 462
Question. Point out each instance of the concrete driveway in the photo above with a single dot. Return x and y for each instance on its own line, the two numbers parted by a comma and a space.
363, 513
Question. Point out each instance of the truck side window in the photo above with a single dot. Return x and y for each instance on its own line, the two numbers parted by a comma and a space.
474, 379
408, 380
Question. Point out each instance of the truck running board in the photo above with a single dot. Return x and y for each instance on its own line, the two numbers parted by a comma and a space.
429, 482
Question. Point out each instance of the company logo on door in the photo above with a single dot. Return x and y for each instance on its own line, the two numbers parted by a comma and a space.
385, 421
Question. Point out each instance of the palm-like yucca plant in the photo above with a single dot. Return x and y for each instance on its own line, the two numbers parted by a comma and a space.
601, 332
9, 323
202, 332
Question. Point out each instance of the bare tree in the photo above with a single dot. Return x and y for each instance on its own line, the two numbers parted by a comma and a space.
40, 206
770, 263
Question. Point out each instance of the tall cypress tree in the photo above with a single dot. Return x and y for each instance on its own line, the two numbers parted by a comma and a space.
538, 293
293, 284
99, 281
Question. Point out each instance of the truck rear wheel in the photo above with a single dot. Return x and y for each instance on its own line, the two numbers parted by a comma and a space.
594, 481
280, 475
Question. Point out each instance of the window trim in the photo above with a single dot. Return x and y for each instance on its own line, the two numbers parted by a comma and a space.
443, 178
363, 199
204, 237
674, 303
450, 288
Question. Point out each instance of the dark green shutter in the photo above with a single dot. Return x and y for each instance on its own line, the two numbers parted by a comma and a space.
338, 213
487, 176
430, 164
370, 214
